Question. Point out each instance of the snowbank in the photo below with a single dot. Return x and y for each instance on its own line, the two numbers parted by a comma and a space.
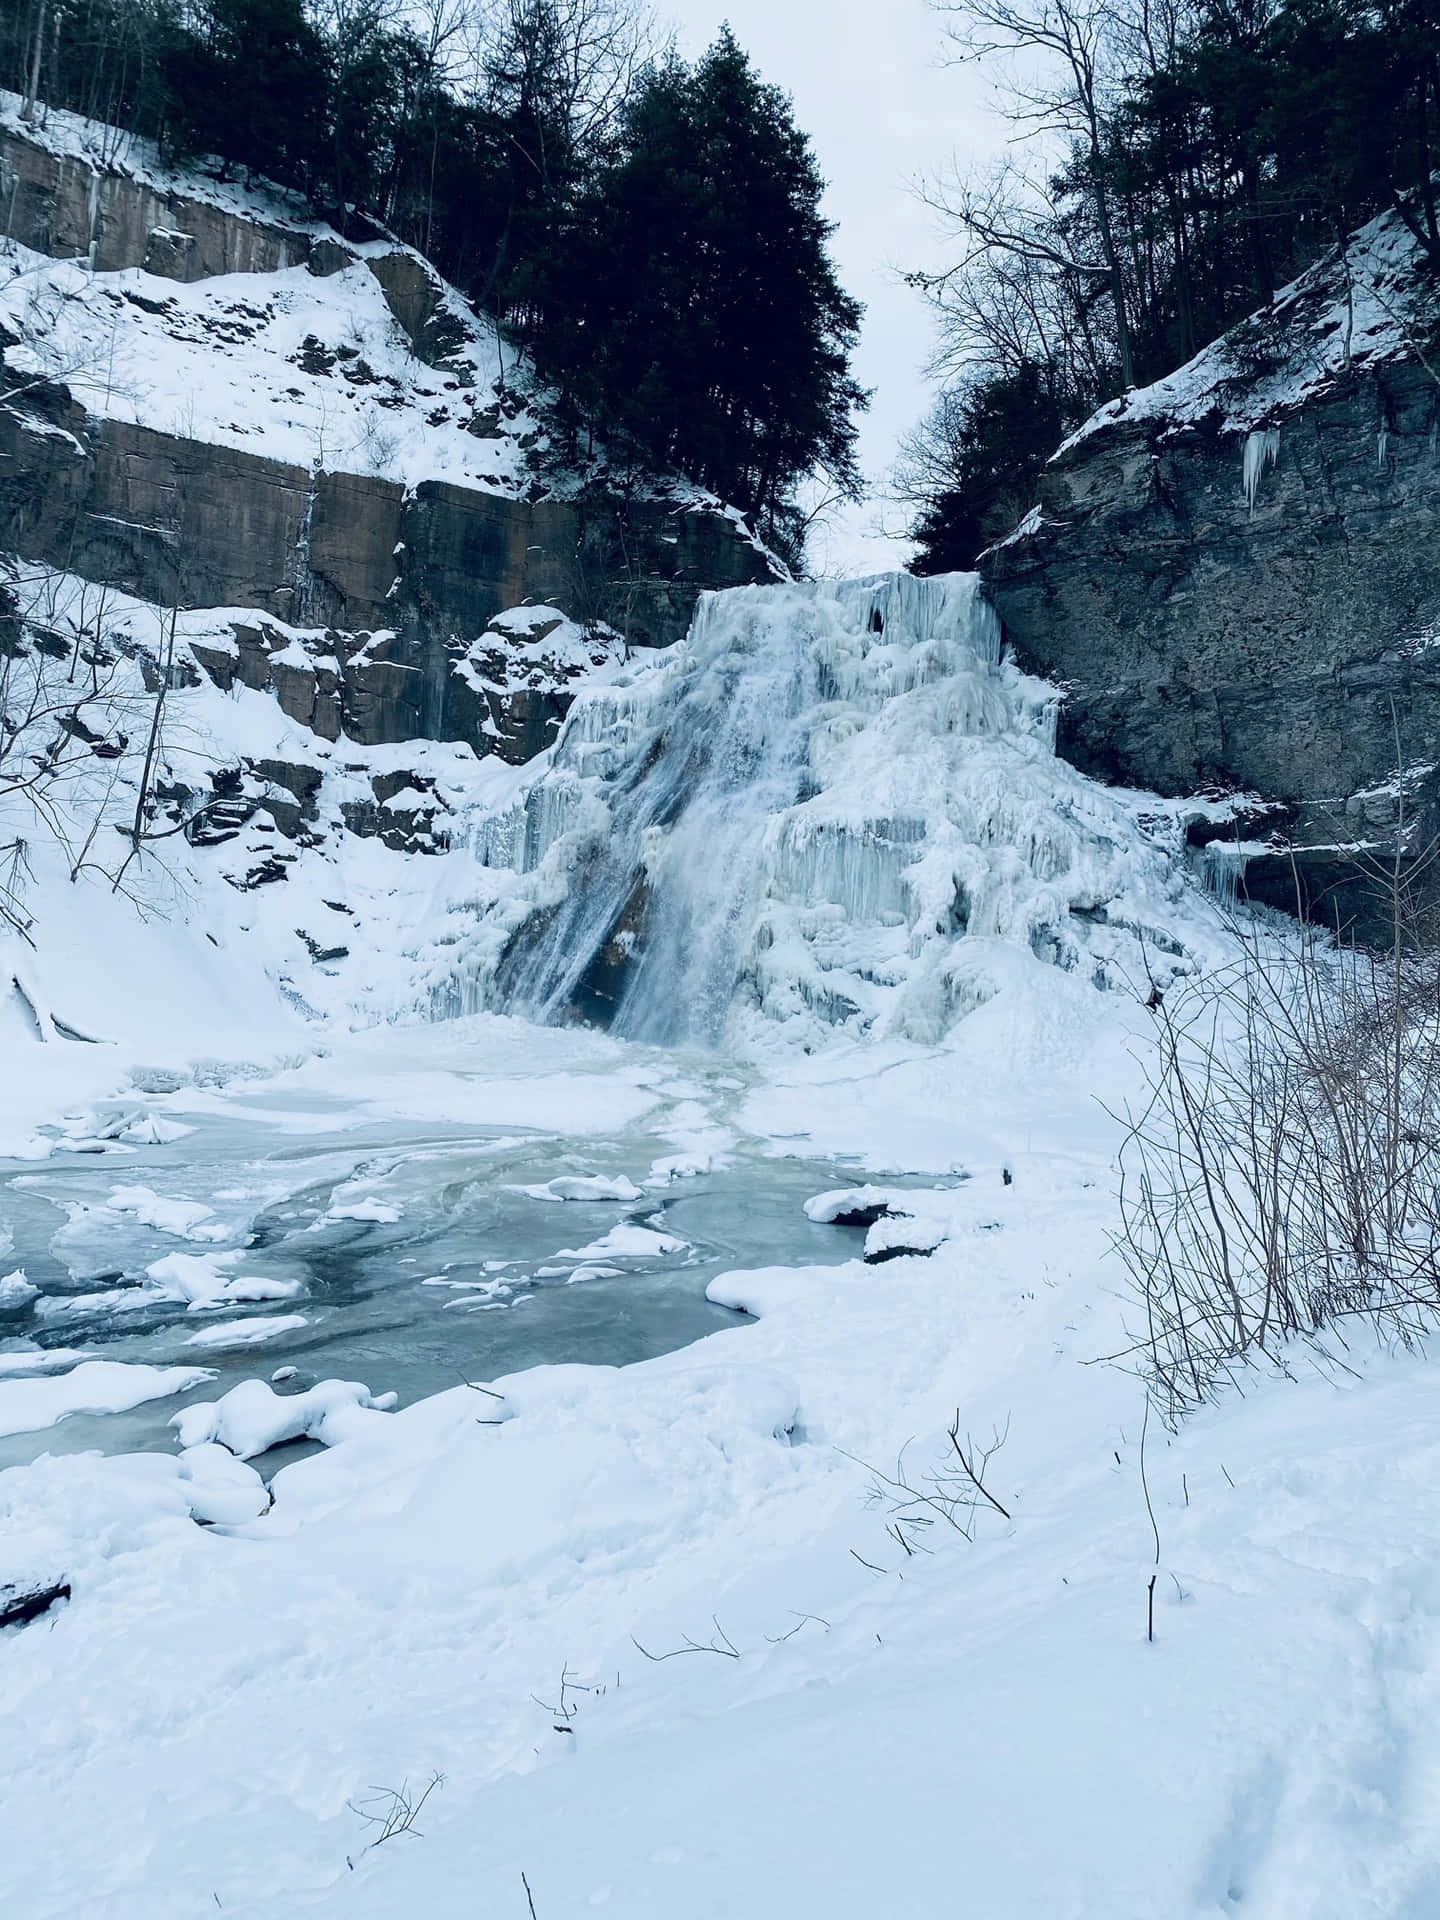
252, 1417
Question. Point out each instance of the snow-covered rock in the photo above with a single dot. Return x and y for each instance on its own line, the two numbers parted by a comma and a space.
252, 1418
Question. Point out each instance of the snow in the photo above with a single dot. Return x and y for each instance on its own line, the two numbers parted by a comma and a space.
205, 1281
650, 1622
585, 1186
1353, 309
626, 1241
30, 1359
381, 1212
221, 1490
15, 1291
313, 370
252, 1418
850, 1206
93, 1386
187, 1219
410, 1589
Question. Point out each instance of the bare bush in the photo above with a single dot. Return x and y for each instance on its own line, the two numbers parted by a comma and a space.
1284, 1174
952, 1491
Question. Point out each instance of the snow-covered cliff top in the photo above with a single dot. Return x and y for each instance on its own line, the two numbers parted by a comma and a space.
1355, 308
302, 364
315, 372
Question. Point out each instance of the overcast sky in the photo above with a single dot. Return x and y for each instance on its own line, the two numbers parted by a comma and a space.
880, 109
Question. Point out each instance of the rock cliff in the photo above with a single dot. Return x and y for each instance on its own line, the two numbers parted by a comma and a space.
1236, 574
215, 403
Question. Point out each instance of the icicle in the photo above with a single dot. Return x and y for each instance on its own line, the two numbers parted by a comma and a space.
1262, 452
1223, 865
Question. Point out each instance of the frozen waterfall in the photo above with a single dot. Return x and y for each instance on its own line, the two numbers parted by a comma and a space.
827, 807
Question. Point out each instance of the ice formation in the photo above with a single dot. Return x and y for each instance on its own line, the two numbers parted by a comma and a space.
1262, 451
823, 809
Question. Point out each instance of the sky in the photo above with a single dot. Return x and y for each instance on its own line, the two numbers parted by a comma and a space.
871, 91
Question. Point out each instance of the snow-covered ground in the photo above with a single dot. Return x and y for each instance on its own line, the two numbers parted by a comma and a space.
488, 1588
673, 1638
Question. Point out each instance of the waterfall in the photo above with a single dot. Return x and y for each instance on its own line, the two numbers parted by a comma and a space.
817, 810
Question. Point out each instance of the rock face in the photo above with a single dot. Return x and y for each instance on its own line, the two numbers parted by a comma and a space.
64, 203
171, 519
402, 582
1236, 573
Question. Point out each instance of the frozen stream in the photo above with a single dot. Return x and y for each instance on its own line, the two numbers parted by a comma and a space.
407, 1250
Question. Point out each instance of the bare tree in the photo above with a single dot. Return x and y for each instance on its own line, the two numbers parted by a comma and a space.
1058, 57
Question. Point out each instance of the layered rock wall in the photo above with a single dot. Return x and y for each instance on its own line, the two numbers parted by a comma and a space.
1236, 576
405, 581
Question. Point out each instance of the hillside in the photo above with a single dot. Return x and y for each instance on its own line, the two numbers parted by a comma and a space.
216, 403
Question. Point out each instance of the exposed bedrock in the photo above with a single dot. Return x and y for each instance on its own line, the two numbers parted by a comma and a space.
396, 588
1287, 644
63, 204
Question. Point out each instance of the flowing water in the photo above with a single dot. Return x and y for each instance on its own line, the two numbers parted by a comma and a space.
461, 1274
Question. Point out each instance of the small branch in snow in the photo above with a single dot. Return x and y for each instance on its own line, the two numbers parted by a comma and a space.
726, 1649
954, 1496
973, 1462
394, 1810
864, 1562
562, 1715
801, 1620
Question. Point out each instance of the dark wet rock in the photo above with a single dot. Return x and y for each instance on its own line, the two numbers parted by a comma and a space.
23, 1601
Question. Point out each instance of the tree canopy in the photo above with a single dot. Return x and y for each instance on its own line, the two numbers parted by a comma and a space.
690, 305
1178, 162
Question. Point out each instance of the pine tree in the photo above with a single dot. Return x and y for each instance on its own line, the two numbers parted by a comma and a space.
691, 305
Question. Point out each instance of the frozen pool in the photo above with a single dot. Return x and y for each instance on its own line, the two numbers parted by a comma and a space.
403, 1254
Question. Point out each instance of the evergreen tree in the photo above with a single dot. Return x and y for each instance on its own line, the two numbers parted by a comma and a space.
691, 305
251, 82
970, 470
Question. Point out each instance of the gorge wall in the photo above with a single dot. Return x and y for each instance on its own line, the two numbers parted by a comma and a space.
1236, 575
395, 584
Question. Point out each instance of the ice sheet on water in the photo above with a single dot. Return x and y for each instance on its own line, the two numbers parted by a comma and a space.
580, 1186
94, 1386
810, 815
